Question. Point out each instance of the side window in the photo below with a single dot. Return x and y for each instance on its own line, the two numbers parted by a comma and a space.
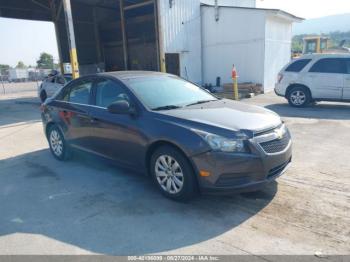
60, 80
329, 65
79, 92
298, 65
347, 66
108, 92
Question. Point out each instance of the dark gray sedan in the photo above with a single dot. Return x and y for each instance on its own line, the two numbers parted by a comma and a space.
183, 137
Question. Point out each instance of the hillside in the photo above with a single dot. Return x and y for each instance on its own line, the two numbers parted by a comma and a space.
335, 39
323, 25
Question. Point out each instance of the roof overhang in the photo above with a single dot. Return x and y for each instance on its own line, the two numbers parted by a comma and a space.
39, 10
274, 12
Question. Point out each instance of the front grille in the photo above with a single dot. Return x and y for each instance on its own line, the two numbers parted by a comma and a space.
277, 145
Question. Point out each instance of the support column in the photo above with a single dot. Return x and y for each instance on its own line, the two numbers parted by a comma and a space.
122, 21
55, 17
160, 37
71, 38
97, 36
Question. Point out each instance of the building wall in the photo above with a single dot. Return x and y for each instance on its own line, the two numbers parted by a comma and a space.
278, 35
237, 38
181, 34
240, 3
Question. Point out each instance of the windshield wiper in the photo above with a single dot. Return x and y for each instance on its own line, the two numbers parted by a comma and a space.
201, 102
169, 107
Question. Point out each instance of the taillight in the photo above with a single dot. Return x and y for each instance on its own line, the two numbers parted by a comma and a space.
280, 77
43, 108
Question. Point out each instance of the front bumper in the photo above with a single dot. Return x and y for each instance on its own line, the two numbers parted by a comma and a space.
236, 173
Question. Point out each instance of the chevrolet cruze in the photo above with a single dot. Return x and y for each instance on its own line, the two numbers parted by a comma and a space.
184, 138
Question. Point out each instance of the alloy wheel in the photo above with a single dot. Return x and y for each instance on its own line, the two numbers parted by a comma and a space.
169, 174
298, 97
56, 143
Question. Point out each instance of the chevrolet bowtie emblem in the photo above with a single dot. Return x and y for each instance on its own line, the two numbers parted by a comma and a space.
279, 133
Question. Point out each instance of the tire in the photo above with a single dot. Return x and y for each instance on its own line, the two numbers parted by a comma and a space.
171, 166
43, 96
299, 96
58, 145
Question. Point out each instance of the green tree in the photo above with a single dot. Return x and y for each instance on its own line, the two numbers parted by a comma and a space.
3, 69
45, 61
20, 65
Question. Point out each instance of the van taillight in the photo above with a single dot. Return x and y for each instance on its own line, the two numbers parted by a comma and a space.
280, 77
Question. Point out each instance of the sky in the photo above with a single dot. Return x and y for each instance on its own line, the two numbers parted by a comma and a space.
25, 40
308, 8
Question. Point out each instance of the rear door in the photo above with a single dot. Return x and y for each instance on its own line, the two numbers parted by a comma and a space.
346, 90
326, 78
74, 111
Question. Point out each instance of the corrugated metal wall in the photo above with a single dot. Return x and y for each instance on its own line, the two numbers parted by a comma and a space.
278, 43
242, 3
237, 38
181, 34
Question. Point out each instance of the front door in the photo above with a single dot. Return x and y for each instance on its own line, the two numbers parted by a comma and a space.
346, 90
326, 78
115, 136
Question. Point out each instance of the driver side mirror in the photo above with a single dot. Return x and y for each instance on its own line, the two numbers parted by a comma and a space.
121, 107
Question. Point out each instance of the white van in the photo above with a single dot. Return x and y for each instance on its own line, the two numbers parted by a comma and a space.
316, 77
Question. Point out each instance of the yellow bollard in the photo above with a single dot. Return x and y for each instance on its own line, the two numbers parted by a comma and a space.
235, 88
235, 82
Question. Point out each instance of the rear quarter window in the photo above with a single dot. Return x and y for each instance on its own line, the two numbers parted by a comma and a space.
298, 65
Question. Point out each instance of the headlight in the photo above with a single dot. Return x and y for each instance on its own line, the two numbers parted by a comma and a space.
223, 144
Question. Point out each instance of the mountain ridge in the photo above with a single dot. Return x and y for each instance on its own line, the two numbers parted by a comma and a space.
323, 25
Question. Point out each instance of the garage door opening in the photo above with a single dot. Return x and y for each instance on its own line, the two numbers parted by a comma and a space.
113, 36
110, 35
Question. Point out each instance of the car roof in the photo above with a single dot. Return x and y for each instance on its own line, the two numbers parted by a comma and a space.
125, 75
311, 56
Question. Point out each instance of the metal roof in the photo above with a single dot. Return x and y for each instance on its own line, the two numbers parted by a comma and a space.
274, 11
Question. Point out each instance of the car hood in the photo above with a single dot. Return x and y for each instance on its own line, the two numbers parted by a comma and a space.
228, 114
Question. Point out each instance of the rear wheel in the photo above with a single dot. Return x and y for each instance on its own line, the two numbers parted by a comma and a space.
173, 174
299, 96
58, 145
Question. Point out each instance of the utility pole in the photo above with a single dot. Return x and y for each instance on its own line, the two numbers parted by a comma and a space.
71, 38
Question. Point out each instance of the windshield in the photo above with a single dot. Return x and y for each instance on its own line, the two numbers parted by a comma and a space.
168, 92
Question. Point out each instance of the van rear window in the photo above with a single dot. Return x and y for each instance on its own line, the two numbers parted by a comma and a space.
298, 65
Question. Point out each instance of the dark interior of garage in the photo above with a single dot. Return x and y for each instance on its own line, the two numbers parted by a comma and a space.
107, 39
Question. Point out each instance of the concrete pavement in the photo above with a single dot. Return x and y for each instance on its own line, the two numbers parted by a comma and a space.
87, 206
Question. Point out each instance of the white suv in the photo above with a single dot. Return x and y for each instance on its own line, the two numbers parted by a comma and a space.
316, 77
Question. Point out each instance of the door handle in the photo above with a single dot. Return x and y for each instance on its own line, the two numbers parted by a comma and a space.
93, 120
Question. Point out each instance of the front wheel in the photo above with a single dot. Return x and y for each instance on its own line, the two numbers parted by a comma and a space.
173, 174
299, 97
58, 145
